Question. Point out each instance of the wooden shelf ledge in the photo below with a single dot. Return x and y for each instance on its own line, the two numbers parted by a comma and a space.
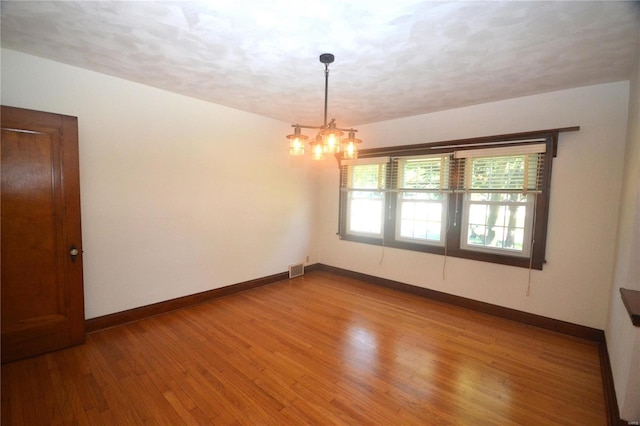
631, 300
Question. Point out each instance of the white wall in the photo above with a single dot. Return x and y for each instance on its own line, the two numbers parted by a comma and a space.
575, 284
623, 339
178, 195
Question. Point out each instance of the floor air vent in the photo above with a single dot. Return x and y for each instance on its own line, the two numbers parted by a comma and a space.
296, 270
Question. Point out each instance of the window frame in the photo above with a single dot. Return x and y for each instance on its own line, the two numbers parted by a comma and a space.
455, 206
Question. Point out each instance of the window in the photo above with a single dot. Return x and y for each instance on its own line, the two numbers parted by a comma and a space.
501, 185
364, 184
421, 201
499, 222
484, 199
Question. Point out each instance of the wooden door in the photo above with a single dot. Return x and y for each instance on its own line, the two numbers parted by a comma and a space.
42, 290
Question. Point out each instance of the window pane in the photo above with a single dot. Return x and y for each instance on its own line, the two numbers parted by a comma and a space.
434, 231
413, 229
500, 197
497, 220
477, 214
436, 196
420, 219
365, 212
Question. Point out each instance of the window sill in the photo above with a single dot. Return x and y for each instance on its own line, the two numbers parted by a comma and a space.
631, 300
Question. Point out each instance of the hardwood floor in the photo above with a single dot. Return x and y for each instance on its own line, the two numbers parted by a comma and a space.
320, 349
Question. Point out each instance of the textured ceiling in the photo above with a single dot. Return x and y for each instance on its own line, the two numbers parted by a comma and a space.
393, 58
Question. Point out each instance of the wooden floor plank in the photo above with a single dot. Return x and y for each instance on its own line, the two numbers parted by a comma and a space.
319, 349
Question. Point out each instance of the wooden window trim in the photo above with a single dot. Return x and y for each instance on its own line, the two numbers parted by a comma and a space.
455, 204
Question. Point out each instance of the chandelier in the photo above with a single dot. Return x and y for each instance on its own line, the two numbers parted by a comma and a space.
327, 140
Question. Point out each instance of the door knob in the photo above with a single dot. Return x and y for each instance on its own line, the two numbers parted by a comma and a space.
74, 253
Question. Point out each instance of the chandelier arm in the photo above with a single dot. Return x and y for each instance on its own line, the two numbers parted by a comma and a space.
302, 126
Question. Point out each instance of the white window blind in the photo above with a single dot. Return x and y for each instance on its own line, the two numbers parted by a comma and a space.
502, 151
505, 169
359, 161
364, 174
421, 174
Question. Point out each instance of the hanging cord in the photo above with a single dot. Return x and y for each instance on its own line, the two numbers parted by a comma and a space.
530, 268
383, 246
533, 243
444, 262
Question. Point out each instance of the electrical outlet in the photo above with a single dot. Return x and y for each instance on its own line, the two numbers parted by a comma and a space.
307, 259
